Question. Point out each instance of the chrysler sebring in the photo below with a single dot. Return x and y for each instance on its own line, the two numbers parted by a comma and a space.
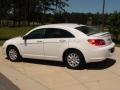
72, 44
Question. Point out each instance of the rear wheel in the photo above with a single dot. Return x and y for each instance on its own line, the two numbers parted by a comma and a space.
13, 54
74, 60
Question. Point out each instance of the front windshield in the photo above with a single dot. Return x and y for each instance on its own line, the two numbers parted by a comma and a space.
88, 30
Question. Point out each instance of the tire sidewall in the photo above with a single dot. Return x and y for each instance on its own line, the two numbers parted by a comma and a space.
18, 54
80, 65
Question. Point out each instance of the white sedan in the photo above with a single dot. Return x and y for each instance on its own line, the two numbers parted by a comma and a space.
73, 44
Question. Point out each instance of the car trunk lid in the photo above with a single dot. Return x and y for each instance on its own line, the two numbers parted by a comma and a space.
105, 36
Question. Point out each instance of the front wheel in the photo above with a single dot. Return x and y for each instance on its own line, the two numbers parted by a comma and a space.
74, 60
13, 54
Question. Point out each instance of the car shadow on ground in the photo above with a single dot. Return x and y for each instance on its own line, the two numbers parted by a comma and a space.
100, 65
44, 62
90, 66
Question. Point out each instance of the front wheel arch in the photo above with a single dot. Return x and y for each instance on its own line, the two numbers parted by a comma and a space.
13, 46
9, 46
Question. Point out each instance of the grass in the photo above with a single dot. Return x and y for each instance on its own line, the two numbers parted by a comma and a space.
1, 42
10, 32
118, 45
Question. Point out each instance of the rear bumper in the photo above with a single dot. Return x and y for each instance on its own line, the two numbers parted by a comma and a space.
100, 54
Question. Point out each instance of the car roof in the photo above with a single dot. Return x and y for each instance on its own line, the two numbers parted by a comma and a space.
70, 25
60, 25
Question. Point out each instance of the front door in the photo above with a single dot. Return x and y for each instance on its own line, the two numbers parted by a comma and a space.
33, 45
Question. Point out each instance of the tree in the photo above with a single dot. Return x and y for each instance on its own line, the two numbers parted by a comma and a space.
59, 5
4, 8
114, 24
29, 10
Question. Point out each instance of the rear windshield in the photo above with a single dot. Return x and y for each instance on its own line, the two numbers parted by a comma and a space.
88, 30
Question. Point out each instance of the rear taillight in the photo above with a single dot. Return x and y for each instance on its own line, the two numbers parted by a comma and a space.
96, 42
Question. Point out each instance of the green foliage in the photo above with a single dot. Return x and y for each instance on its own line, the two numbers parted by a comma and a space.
10, 32
19, 11
114, 24
7, 32
1, 42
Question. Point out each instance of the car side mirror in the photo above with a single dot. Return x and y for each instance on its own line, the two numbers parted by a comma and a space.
24, 37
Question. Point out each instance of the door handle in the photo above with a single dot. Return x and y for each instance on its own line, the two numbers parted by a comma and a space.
62, 40
39, 41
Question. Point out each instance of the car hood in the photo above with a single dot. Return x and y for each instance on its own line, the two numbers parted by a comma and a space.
15, 39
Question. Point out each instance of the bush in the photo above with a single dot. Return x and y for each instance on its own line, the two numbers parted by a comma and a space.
114, 25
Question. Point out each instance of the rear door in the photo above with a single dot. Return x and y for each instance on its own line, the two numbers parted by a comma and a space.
56, 40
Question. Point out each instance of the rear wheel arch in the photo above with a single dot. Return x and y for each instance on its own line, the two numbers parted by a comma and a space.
70, 50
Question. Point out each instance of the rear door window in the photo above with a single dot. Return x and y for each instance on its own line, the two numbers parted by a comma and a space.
57, 33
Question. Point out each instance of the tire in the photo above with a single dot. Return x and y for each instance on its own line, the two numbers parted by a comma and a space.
74, 60
13, 54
